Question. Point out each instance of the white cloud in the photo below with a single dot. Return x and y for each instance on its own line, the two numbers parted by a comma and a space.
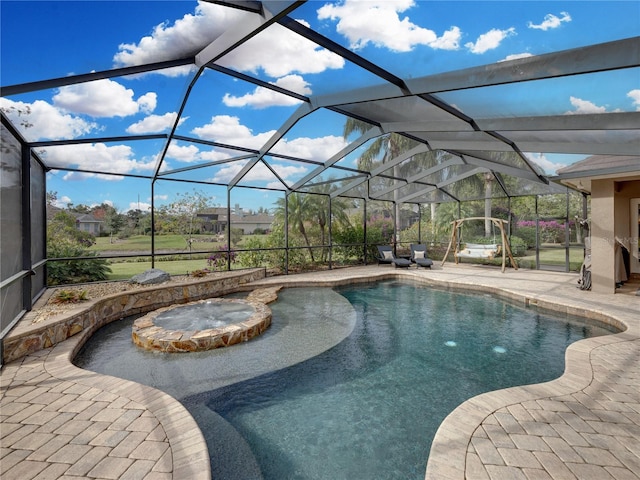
280, 52
547, 165
186, 153
378, 22
258, 173
148, 102
319, 149
490, 40
155, 123
186, 36
103, 98
516, 56
214, 155
634, 95
62, 202
96, 157
160, 197
277, 185
263, 97
551, 21
47, 121
450, 40
584, 106
277, 50
143, 206
227, 129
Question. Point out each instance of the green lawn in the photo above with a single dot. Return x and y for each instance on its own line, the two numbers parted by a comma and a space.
142, 244
126, 270
554, 256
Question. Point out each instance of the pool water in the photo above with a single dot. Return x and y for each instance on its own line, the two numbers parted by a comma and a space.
369, 406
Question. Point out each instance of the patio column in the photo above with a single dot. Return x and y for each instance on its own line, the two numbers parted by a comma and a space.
603, 236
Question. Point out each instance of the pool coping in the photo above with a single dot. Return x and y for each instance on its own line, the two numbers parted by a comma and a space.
447, 459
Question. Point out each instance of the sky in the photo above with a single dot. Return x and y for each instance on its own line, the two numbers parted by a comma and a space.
42, 40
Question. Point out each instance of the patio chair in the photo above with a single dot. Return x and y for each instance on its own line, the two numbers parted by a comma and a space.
385, 255
419, 255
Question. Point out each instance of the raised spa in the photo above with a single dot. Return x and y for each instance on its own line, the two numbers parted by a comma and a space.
202, 325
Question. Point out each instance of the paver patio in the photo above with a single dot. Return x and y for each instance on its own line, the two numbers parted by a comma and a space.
58, 421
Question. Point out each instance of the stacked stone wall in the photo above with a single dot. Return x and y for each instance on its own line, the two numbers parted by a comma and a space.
27, 337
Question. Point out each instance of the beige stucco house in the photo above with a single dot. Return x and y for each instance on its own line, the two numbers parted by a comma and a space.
614, 185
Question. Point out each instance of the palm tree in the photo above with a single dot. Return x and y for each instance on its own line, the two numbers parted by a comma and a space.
383, 148
489, 178
319, 208
299, 211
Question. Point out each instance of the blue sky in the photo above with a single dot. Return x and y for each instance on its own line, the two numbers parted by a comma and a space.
41, 40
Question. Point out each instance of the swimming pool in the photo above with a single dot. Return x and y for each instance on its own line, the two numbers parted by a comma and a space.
390, 361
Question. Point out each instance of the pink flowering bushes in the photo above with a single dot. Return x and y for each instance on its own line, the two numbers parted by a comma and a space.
551, 231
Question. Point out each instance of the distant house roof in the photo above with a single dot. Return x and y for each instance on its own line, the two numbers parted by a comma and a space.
261, 218
87, 218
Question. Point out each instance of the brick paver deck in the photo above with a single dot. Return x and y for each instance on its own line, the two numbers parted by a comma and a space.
58, 421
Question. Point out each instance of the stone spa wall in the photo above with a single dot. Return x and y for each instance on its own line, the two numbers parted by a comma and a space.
29, 337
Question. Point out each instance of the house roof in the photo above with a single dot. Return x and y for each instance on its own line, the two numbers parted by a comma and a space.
580, 174
601, 165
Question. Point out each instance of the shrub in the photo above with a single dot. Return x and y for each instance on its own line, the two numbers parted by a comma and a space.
351, 238
218, 260
550, 231
200, 273
70, 296
518, 246
254, 257
527, 233
74, 271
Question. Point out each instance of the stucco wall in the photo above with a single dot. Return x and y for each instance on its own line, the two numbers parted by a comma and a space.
610, 218
602, 236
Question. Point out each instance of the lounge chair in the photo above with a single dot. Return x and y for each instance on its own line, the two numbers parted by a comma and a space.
385, 255
419, 255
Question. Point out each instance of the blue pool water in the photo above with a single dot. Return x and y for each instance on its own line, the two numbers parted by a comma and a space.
366, 407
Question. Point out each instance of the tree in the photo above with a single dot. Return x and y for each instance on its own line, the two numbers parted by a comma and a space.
319, 210
51, 198
114, 221
382, 149
489, 178
297, 206
389, 147
81, 208
64, 240
182, 214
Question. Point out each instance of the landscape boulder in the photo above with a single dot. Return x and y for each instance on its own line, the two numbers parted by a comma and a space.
153, 275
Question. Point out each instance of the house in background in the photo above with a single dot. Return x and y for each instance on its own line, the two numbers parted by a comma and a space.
87, 222
614, 184
215, 220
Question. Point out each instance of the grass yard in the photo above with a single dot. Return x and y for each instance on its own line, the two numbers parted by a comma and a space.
126, 270
554, 256
142, 243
